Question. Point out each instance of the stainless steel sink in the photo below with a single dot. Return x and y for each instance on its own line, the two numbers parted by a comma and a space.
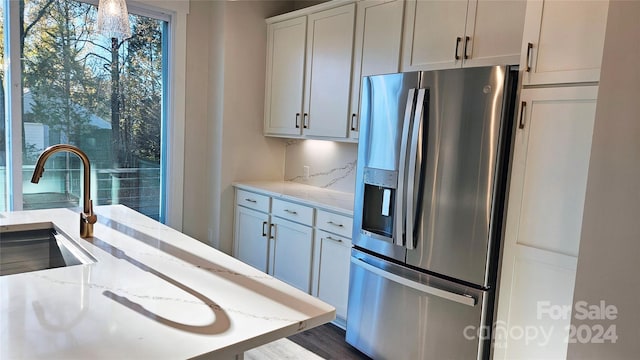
39, 246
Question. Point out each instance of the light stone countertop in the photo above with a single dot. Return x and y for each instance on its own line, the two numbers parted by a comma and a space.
336, 201
154, 293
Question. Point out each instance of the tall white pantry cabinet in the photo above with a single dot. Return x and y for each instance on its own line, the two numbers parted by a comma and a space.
561, 55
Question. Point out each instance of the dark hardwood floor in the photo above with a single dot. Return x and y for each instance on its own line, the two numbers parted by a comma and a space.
327, 341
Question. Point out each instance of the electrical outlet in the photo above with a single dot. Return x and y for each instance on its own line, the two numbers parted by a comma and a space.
305, 173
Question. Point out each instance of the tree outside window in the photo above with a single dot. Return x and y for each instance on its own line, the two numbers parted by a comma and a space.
102, 95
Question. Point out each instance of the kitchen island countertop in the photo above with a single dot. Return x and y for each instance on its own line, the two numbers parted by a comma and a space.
152, 293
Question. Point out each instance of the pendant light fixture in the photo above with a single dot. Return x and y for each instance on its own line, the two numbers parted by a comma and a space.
113, 19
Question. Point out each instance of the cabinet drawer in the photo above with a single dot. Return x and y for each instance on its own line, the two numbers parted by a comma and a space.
252, 200
294, 212
337, 224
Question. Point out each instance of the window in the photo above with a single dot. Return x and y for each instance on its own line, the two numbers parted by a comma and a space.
106, 96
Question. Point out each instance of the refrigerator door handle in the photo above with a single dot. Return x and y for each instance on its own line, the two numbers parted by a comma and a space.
459, 298
411, 171
399, 216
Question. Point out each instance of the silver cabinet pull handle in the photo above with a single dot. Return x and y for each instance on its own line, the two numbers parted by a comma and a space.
528, 64
334, 224
353, 123
264, 231
523, 106
297, 120
305, 117
250, 200
456, 56
272, 231
332, 239
291, 212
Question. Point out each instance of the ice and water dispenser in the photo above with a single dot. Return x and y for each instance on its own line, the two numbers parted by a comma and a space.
378, 201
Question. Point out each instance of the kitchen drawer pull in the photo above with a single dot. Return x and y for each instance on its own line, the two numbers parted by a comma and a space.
466, 45
523, 106
334, 224
528, 64
291, 212
353, 124
297, 120
332, 239
264, 231
458, 39
250, 200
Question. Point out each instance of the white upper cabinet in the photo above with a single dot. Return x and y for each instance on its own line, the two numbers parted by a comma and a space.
285, 77
563, 41
308, 80
493, 32
377, 47
328, 75
442, 34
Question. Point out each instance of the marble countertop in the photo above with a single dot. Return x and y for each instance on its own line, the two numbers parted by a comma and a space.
331, 200
154, 293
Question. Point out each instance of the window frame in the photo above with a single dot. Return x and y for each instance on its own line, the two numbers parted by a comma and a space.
173, 129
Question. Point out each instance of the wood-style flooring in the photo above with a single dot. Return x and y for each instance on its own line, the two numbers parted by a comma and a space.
327, 341
322, 342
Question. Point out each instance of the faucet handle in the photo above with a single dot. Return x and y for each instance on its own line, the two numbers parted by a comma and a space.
91, 217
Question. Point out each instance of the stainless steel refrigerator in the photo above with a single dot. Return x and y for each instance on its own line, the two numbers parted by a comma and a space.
430, 195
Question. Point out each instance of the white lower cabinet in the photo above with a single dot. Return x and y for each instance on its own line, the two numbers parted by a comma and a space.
331, 271
292, 253
252, 227
306, 247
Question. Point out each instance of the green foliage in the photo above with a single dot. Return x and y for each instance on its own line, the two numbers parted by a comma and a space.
70, 72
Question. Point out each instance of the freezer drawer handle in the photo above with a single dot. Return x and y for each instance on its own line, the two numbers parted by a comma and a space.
462, 299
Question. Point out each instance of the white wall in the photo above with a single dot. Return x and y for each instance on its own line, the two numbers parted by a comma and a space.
198, 127
609, 260
226, 51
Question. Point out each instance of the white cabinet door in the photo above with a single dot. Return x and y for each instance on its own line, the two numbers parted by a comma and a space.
328, 75
332, 256
544, 220
563, 41
251, 237
433, 34
443, 34
293, 246
285, 77
493, 32
377, 47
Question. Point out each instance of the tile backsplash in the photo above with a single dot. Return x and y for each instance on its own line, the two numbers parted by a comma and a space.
332, 165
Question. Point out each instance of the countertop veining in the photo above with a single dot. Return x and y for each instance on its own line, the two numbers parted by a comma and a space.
153, 293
